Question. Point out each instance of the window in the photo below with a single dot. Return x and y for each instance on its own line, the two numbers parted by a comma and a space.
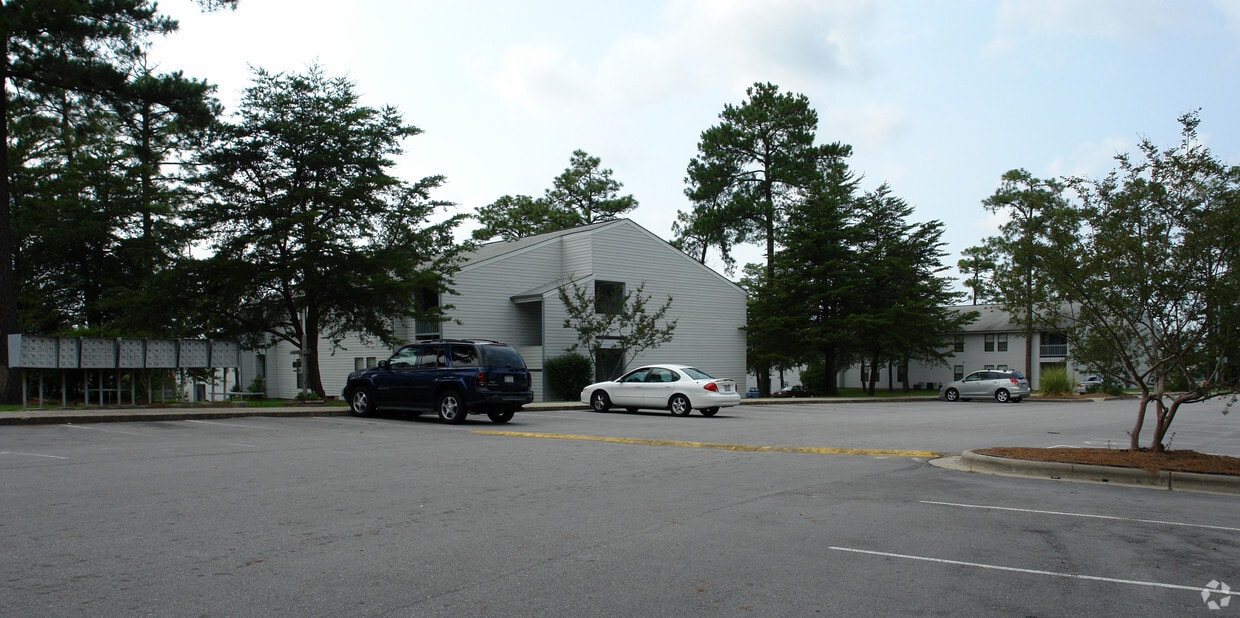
957, 372
608, 297
1002, 342
464, 356
432, 357
957, 344
359, 363
406, 357
1002, 367
989, 367
371, 362
427, 300
989, 343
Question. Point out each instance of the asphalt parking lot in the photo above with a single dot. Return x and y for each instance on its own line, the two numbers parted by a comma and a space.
795, 509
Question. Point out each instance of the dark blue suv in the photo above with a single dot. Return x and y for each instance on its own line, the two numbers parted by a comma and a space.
453, 377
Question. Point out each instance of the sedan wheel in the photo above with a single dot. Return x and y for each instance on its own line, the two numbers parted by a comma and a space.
951, 394
1002, 395
709, 411
361, 403
451, 408
680, 405
599, 401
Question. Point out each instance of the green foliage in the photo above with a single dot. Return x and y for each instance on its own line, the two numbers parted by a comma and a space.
583, 194
630, 330
512, 217
567, 374
1029, 204
1147, 271
1055, 382
814, 377
311, 235
747, 168
257, 385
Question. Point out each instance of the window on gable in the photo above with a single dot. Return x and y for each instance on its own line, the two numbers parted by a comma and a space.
608, 297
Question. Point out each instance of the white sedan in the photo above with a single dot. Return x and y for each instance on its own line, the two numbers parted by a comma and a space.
678, 388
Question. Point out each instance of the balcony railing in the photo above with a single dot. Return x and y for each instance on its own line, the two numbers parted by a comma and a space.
1058, 350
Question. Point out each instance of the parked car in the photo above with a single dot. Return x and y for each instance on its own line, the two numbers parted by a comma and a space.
793, 391
1084, 386
454, 378
678, 388
752, 392
1004, 386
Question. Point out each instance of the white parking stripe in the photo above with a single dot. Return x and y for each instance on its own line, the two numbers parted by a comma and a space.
1108, 517
94, 428
995, 567
32, 455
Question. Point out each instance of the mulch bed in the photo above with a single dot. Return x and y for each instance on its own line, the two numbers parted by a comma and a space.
1173, 461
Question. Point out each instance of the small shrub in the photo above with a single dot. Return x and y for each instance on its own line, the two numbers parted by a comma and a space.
258, 385
567, 374
1055, 382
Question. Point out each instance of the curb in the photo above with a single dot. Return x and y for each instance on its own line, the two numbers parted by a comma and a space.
971, 461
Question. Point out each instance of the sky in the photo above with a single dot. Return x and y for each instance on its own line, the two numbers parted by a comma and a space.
938, 98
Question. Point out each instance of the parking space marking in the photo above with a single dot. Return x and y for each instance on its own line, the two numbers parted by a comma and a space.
32, 455
821, 450
996, 567
1087, 515
93, 428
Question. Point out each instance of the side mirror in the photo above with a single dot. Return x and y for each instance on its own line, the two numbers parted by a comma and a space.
385, 364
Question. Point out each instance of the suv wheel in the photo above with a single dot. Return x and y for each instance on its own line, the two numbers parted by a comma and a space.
361, 402
451, 408
501, 417
680, 405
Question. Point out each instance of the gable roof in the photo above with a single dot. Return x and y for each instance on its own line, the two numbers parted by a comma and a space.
502, 249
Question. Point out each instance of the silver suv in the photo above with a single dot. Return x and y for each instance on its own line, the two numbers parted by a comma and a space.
1004, 386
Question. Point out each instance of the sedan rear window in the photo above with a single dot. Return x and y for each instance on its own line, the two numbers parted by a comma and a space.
698, 374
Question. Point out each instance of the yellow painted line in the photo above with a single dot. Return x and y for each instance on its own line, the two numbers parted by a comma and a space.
820, 450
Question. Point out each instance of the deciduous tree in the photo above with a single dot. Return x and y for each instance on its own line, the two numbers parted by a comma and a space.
311, 235
1147, 264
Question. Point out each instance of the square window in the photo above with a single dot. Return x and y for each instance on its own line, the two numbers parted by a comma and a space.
608, 297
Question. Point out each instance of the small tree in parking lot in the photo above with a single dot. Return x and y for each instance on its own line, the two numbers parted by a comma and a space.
1147, 267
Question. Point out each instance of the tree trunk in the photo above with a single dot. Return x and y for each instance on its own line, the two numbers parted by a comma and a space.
10, 393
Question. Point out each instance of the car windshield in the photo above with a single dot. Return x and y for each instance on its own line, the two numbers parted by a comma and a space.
697, 374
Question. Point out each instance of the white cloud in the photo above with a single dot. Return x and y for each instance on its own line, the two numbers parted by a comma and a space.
1091, 159
696, 46
1122, 21
867, 127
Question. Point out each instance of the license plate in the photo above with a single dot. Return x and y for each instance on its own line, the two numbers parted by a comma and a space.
727, 388
508, 380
